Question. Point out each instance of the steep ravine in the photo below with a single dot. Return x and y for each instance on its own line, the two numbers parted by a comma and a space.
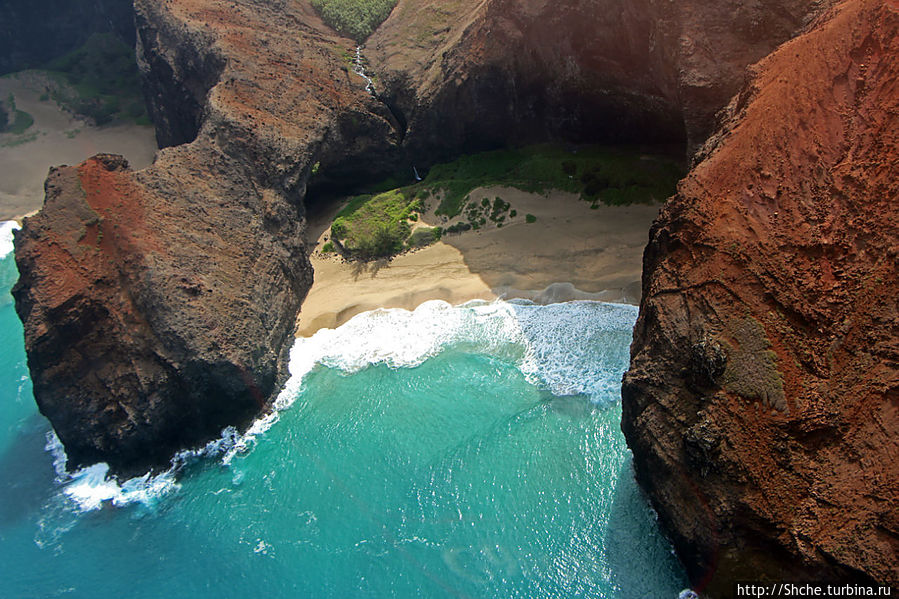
762, 400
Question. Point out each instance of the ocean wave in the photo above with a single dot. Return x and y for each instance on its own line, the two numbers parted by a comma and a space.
6, 237
573, 348
566, 347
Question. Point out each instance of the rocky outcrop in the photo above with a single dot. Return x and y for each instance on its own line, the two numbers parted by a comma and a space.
32, 32
482, 73
158, 305
761, 401
255, 102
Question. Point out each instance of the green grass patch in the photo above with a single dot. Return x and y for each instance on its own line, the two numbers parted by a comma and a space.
375, 226
100, 81
608, 175
425, 236
20, 141
21, 123
13, 120
354, 18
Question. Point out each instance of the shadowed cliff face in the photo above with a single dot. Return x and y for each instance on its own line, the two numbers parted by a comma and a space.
156, 303
32, 32
762, 401
253, 96
481, 73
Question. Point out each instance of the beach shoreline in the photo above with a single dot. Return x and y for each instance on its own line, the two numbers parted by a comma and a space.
571, 252
56, 138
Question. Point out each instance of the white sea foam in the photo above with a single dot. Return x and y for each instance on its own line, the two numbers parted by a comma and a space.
570, 348
6, 237
566, 347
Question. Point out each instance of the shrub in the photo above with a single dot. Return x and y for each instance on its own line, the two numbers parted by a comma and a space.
328, 248
385, 241
530, 218
354, 18
338, 228
424, 236
513, 214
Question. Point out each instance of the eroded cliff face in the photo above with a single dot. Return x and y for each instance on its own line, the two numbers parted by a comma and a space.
159, 305
254, 97
762, 400
485, 72
156, 307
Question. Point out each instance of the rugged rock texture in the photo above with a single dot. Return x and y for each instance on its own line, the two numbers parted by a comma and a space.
254, 96
762, 400
159, 305
481, 73
156, 307
33, 32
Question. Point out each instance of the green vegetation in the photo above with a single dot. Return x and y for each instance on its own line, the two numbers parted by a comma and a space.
21, 120
354, 18
424, 236
328, 248
375, 226
379, 224
99, 81
599, 174
20, 141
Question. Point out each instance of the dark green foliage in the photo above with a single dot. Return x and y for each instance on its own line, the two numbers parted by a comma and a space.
354, 18
375, 226
612, 175
13, 120
22, 123
328, 248
425, 236
385, 241
513, 214
103, 74
458, 228
530, 218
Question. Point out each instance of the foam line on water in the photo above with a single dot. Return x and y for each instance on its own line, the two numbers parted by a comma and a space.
6, 237
570, 348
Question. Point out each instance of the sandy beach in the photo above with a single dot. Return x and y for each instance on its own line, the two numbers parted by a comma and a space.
570, 252
55, 138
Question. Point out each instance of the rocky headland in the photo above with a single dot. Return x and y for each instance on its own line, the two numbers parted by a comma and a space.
177, 319
761, 401
158, 305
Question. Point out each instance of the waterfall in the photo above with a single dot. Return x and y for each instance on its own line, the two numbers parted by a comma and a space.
359, 69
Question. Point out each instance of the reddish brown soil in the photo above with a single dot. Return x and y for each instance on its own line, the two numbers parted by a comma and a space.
785, 237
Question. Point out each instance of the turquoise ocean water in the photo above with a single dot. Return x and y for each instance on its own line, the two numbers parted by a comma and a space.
468, 451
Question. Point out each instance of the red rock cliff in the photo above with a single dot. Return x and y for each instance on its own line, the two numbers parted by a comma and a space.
762, 400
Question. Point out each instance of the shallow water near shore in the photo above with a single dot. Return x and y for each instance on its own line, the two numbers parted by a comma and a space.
468, 451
